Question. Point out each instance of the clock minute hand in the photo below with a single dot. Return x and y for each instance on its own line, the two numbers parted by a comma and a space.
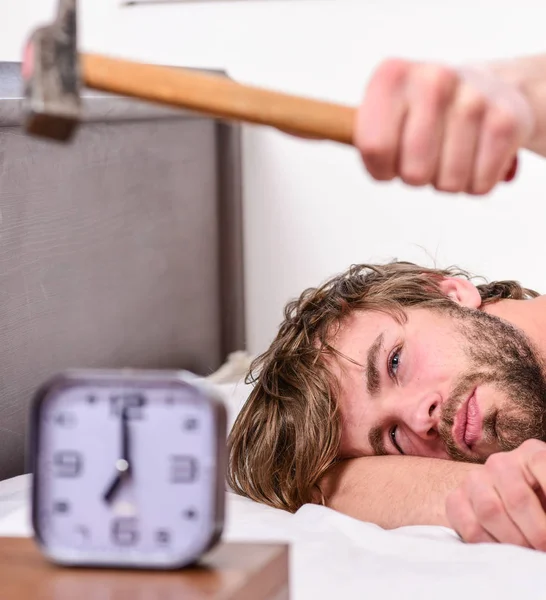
123, 465
125, 444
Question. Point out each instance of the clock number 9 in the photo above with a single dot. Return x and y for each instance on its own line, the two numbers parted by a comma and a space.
133, 403
67, 463
124, 531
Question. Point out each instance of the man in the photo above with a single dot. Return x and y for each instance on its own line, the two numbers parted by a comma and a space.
404, 395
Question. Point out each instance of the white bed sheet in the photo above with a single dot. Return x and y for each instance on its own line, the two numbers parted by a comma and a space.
334, 557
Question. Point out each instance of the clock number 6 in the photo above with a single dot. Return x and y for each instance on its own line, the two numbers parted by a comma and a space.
124, 531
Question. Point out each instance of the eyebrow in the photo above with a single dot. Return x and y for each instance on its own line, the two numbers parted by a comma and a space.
373, 379
375, 437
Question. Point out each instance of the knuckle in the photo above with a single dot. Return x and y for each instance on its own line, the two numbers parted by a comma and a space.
531, 445
502, 124
438, 80
488, 506
461, 517
375, 151
483, 188
393, 70
497, 462
454, 177
470, 106
470, 529
454, 185
538, 540
415, 175
454, 502
517, 499
537, 458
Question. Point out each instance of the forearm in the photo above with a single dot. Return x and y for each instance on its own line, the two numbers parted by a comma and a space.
529, 74
394, 491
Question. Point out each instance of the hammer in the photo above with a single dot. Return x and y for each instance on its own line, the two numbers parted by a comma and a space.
53, 72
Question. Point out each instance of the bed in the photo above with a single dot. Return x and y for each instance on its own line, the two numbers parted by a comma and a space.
126, 250
333, 556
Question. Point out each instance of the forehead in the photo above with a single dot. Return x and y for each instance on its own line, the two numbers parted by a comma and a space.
359, 331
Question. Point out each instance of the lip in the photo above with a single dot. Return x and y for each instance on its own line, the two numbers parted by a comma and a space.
474, 422
467, 426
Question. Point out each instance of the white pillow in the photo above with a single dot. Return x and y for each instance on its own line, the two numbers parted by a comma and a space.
234, 396
229, 382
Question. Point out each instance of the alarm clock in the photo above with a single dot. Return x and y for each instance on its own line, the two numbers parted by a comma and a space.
128, 468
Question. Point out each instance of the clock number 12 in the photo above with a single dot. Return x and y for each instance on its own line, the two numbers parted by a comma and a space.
132, 403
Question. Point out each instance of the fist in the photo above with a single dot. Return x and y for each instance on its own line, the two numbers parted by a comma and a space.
504, 501
457, 130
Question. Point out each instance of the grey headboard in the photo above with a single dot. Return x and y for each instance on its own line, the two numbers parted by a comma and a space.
123, 249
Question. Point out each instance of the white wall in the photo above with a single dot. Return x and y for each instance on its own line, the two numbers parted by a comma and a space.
310, 210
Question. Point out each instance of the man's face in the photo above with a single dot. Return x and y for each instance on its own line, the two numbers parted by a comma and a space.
457, 383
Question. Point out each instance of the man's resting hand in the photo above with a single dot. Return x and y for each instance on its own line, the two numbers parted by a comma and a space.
505, 500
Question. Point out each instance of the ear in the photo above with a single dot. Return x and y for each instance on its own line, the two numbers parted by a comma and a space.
461, 291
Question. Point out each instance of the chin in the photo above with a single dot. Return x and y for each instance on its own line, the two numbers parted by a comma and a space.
483, 451
474, 431
489, 421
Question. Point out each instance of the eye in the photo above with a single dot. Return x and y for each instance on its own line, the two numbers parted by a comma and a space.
394, 362
392, 434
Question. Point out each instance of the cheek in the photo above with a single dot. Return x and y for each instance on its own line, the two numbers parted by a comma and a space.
435, 358
356, 424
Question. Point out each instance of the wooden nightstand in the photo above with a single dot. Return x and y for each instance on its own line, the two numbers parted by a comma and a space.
229, 572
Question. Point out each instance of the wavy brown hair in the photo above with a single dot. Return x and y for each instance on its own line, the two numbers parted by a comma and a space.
288, 433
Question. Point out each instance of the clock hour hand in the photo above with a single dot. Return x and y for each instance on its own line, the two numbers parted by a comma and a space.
112, 488
123, 465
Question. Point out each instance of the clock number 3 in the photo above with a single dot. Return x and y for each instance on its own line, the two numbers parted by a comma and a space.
183, 469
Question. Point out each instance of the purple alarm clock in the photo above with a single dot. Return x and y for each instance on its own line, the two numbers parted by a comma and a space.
128, 468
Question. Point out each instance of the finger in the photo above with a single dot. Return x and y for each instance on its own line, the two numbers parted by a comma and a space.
511, 169
536, 471
380, 119
499, 142
430, 92
460, 144
521, 503
463, 520
491, 512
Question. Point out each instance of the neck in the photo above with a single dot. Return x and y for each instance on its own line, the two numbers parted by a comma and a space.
527, 315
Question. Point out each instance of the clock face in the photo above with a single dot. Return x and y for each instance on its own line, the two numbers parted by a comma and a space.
126, 473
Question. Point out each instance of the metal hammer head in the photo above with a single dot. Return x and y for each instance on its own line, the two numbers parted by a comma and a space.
51, 74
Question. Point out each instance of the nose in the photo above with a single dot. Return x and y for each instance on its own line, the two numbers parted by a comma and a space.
422, 415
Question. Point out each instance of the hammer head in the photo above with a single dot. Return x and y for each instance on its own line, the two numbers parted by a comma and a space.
51, 75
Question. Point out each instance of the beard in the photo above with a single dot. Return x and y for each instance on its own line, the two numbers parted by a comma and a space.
503, 358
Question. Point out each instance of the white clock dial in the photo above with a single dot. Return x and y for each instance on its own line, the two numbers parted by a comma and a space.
126, 471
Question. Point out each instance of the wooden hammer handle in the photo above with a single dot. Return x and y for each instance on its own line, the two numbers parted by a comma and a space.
220, 97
